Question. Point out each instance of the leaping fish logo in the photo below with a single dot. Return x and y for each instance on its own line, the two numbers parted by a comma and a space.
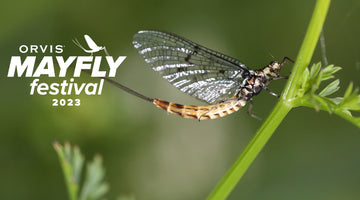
92, 45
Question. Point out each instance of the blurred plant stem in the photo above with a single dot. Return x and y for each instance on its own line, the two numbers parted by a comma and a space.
281, 109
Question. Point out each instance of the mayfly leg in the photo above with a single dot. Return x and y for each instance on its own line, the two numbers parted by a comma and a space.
279, 77
250, 110
270, 92
284, 61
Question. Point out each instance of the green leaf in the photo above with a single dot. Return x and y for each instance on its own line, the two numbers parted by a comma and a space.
100, 191
348, 90
314, 70
337, 100
78, 163
305, 77
330, 89
351, 101
72, 162
328, 72
315, 78
93, 187
65, 155
67, 151
305, 83
307, 96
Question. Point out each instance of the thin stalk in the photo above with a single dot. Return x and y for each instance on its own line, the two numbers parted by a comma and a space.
240, 166
354, 120
307, 49
233, 176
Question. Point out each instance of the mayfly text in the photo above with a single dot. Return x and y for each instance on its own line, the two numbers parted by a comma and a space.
60, 66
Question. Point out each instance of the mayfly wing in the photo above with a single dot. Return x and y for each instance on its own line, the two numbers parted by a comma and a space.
92, 45
196, 70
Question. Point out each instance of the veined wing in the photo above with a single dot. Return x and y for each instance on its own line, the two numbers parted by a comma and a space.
91, 42
196, 70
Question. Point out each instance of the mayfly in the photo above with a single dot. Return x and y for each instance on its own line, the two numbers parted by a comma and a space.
91, 44
219, 80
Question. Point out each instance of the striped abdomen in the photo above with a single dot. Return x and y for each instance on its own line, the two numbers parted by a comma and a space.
200, 112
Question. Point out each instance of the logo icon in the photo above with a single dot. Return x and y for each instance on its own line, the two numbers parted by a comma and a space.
92, 45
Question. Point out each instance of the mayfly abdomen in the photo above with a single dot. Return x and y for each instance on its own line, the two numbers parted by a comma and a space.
200, 112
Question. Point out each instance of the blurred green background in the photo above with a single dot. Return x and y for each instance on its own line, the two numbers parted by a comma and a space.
150, 154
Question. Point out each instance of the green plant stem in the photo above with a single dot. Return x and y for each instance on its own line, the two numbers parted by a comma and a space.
349, 118
281, 109
238, 169
307, 49
354, 120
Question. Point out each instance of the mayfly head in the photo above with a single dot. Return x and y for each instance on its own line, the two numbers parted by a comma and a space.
272, 70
